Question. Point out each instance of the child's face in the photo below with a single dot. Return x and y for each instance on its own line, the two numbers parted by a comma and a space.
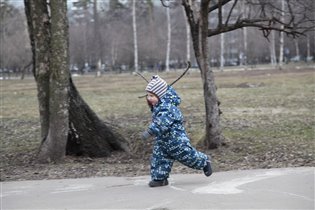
152, 98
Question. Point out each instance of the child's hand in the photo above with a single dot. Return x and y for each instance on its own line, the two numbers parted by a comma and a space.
145, 135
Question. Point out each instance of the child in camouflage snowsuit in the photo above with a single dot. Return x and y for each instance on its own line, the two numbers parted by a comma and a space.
171, 141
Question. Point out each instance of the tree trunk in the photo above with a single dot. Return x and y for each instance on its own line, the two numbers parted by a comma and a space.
221, 52
187, 38
114, 54
97, 41
135, 38
308, 49
88, 135
281, 41
244, 56
199, 31
222, 62
168, 49
245, 47
68, 125
213, 137
53, 146
272, 47
25, 69
297, 49
39, 32
153, 35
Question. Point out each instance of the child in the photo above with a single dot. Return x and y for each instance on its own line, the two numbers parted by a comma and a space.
171, 141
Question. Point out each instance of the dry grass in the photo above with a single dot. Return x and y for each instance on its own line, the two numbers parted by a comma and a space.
268, 120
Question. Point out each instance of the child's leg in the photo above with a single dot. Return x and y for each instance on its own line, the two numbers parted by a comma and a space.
161, 165
188, 155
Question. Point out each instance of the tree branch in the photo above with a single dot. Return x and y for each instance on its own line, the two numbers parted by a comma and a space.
220, 14
189, 13
230, 13
216, 6
259, 23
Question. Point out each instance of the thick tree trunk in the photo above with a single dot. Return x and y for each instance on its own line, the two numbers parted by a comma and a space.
68, 125
53, 146
213, 138
39, 32
89, 135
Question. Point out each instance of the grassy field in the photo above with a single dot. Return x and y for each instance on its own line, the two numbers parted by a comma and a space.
268, 120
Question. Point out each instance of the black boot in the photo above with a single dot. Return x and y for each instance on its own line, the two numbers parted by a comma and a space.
207, 169
158, 183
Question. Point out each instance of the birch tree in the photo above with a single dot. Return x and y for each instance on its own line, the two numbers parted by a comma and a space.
135, 42
272, 47
297, 49
222, 48
245, 39
281, 41
187, 39
308, 49
168, 48
221, 52
98, 50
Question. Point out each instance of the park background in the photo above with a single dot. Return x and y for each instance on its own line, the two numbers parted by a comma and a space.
268, 109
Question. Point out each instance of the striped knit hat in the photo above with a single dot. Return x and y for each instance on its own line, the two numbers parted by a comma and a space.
157, 86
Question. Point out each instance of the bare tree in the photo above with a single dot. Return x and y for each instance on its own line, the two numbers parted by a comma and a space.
243, 61
15, 54
152, 31
68, 125
297, 49
134, 26
222, 52
281, 41
262, 14
187, 38
169, 32
308, 48
150, 50
272, 47
222, 49
80, 28
98, 45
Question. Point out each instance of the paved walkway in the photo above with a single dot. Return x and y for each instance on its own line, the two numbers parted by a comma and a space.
289, 188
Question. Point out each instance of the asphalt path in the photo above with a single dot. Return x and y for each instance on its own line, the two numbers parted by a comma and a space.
286, 188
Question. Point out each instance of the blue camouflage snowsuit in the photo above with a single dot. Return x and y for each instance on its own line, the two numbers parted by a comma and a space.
171, 141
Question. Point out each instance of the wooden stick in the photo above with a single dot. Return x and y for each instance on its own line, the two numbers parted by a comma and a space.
142, 76
188, 66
